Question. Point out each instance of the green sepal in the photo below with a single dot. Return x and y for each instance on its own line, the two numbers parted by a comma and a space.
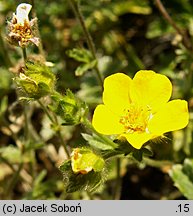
69, 108
91, 180
36, 80
124, 148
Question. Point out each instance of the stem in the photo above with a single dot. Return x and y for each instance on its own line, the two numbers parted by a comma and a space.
24, 54
157, 164
46, 111
116, 195
108, 141
14, 180
26, 129
78, 13
55, 121
168, 18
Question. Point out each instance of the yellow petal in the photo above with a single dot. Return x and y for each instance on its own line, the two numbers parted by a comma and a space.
150, 89
106, 122
173, 116
116, 92
137, 139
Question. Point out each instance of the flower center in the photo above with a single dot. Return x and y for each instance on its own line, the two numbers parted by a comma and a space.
23, 30
135, 119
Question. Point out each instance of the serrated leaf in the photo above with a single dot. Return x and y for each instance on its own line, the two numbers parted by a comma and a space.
188, 168
89, 182
83, 68
77, 182
81, 55
180, 175
96, 142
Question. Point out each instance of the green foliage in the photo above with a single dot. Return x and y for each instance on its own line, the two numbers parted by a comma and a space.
128, 36
36, 81
3, 107
84, 56
5, 81
69, 108
182, 176
96, 142
83, 160
84, 171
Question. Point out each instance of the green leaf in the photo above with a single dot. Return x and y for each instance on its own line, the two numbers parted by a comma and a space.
188, 168
85, 67
80, 55
96, 142
137, 7
89, 182
182, 177
11, 153
3, 106
77, 182
147, 152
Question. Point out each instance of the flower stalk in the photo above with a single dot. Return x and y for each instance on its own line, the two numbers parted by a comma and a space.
185, 41
55, 122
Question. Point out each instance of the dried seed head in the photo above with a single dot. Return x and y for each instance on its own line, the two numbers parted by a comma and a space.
21, 31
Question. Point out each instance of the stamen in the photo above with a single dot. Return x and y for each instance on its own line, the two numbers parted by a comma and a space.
136, 119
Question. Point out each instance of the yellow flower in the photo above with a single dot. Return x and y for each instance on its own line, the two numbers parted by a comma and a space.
138, 109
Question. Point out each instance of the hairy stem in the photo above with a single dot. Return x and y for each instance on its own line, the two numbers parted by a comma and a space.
168, 18
24, 54
117, 190
156, 163
13, 181
54, 120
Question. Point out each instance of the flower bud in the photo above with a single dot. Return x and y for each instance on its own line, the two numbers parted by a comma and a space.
83, 160
69, 108
36, 81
